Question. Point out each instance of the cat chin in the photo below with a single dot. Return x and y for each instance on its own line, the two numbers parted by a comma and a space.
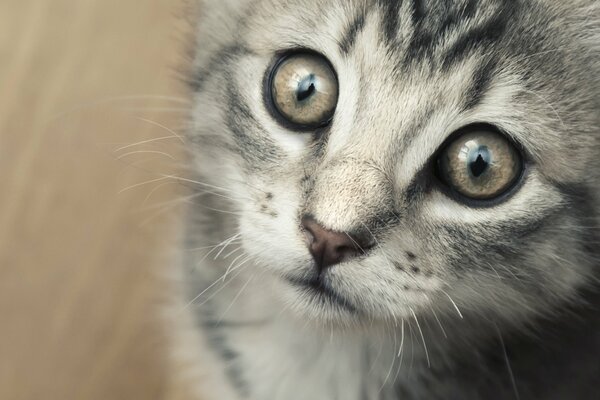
326, 307
314, 312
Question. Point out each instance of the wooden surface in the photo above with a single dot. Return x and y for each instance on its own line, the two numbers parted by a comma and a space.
81, 258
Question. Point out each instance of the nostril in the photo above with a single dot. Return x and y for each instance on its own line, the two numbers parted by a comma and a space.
309, 235
329, 247
345, 252
312, 230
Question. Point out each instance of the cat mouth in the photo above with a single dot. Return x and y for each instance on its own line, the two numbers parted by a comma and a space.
321, 291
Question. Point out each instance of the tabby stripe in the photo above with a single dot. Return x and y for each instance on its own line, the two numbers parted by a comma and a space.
482, 78
457, 17
390, 10
418, 46
240, 120
418, 12
353, 30
219, 343
423, 42
477, 37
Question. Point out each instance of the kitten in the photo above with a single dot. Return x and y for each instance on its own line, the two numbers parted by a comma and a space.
403, 199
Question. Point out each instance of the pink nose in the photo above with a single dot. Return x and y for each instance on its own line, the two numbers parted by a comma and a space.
329, 247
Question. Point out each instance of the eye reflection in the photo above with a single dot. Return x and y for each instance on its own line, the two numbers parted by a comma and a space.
306, 87
477, 158
479, 161
304, 90
481, 164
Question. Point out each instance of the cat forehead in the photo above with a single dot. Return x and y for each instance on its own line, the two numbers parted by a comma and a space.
421, 56
397, 41
342, 20
378, 40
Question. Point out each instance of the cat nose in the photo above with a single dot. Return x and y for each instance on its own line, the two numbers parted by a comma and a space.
329, 247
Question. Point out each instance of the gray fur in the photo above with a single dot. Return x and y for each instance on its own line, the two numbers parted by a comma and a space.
455, 301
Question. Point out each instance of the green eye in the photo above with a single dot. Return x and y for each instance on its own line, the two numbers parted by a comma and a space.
480, 164
304, 90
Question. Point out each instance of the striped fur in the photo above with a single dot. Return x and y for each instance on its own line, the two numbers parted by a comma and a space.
455, 301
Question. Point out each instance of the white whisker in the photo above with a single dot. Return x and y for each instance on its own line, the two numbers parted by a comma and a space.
439, 322
391, 367
202, 293
508, 367
146, 142
422, 337
400, 350
223, 286
232, 263
225, 243
454, 304
142, 184
145, 152
157, 124
237, 296
226, 256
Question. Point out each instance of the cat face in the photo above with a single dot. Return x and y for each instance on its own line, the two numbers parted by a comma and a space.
383, 159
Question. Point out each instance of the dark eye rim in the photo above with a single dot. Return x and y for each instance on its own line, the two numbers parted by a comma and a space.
267, 95
451, 192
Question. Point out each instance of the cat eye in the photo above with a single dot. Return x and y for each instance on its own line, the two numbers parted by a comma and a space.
303, 89
480, 164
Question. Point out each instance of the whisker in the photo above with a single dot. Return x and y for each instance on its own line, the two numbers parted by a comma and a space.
154, 190
173, 99
226, 256
201, 293
244, 261
401, 340
379, 352
157, 109
225, 243
185, 180
221, 211
422, 337
549, 105
181, 179
453, 303
508, 367
205, 247
391, 367
237, 296
156, 215
157, 124
217, 281
539, 54
223, 286
145, 151
146, 142
439, 322
142, 184
232, 263
170, 203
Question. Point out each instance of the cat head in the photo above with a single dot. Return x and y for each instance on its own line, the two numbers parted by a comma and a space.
384, 158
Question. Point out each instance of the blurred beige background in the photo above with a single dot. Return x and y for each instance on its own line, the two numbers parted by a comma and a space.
80, 254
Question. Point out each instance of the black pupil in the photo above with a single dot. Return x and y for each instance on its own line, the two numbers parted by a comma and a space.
306, 88
481, 162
